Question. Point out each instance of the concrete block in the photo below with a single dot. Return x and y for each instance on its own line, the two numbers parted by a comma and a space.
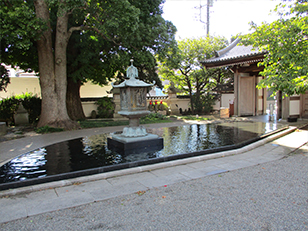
143, 145
3, 128
21, 116
224, 112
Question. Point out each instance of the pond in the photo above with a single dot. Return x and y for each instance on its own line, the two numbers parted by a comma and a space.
90, 155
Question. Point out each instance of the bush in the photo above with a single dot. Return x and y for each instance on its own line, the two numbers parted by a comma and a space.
7, 109
159, 106
152, 118
105, 107
9, 106
33, 106
204, 104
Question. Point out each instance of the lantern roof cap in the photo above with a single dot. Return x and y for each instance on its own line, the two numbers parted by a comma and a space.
132, 74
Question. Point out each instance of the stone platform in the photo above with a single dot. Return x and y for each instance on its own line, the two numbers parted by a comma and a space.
135, 145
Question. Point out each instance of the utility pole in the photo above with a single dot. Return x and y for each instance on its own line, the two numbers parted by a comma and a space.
200, 7
208, 18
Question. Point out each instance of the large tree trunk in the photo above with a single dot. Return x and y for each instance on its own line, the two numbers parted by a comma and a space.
73, 102
190, 95
53, 71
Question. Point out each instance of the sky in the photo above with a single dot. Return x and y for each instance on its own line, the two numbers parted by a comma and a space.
227, 17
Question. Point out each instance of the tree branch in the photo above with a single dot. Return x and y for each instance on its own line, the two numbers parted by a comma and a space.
72, 29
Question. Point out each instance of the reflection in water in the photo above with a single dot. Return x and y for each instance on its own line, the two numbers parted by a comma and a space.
91, 152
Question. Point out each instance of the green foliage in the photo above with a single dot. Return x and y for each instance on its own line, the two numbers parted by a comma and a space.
101, 123
31, 103
159, 106
153, 118
4, 78
7, 109
144, 35
198, 118
47, 129
204, 104
163, 106
105, 107
285, 41
19, 30
186, 72
102, 37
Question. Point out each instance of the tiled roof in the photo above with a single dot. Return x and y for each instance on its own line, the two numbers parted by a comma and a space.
233, 53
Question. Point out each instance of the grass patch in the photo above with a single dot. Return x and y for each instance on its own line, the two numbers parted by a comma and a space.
154, 118
149, 119
47, 129
191, 117
100, 123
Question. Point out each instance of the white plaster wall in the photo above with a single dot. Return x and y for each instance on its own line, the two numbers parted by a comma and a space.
294, 107
93, 90
88, 107
21, 85
226, 99
216, 106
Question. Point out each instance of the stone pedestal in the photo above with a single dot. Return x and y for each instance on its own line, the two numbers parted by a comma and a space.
133, 145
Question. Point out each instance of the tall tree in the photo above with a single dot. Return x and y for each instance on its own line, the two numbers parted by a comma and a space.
116, 21
185, 70
286, 41
93, 58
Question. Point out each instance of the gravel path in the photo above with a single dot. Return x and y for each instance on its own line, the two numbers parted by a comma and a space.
269, 196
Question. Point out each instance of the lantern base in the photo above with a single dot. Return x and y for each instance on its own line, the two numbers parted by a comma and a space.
135, 145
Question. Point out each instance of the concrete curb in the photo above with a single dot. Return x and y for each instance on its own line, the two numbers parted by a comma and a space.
103, 176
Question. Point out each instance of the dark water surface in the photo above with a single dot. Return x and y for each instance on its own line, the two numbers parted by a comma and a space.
92, 152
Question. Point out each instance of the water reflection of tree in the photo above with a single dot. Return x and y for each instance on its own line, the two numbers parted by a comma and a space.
208, 137
95, 147
58, 158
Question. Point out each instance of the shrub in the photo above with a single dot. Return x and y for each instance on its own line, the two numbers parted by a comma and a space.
7, 109
204, 104
152, 118
9, 106
159, 106
105, 107
33, 106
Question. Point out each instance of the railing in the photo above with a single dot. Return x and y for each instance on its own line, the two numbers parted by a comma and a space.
156, 97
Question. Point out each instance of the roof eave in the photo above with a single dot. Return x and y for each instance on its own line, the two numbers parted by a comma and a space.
234, 61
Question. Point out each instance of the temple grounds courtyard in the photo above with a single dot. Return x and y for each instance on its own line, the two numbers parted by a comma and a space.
259, 188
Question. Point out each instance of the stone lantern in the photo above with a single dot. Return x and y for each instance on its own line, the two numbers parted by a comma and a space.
134, 138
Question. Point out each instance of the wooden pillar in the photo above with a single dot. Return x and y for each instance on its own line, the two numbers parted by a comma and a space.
264, 99
236, 93
285, 107
255, 96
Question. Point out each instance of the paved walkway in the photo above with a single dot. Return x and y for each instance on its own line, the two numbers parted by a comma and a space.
46, 198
